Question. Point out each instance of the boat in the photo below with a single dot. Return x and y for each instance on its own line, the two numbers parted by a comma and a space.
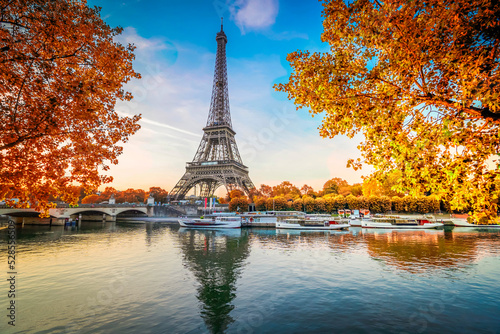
283, 215
314, 223
460, 222
258, 219
219, 221
396, 222
356, 219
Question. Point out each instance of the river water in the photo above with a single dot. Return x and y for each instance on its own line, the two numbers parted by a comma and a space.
147, 278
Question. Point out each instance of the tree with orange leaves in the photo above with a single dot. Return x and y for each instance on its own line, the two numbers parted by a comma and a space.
419, 79
239, 204
159, 194
91, 199
235, 193
286, 188
260, 203
306, 190
265, 190
254, 193
61, 74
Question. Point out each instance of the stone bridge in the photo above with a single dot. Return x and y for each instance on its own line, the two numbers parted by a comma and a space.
59, 215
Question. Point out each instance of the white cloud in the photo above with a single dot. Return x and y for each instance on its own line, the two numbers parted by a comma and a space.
149, 52
286, 35
145, 120
254, 14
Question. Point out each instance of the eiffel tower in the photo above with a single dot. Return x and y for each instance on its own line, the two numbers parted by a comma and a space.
217, 161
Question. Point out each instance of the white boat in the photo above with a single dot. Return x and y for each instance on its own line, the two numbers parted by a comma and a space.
214, 222
258, 219
282, 215
358, 216
316, 223
396, 222
462, 222
357, 222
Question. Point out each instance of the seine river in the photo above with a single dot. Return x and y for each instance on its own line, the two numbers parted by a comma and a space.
147, 278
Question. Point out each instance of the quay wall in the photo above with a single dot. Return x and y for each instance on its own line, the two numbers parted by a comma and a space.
253, 224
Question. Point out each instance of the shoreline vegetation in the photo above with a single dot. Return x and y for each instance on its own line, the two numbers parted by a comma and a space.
336, 194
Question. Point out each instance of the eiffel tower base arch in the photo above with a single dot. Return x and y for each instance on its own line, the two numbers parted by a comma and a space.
210, 179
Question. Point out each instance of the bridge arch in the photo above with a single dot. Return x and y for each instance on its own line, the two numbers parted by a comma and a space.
88, 210
142, 213
12, 211
65, 212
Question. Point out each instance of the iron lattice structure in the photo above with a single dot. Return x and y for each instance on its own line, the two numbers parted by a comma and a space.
217, 161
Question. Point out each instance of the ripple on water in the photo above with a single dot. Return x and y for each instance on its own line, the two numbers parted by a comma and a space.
152, 279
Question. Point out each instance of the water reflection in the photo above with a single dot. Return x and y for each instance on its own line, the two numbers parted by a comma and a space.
339, 241
422, 250
293, 281
216, 259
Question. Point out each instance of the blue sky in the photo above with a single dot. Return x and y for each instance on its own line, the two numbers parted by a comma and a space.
176, 57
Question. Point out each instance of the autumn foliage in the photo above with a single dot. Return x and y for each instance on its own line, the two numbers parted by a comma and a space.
420, 81
61, 74
127, 196
238, 204
287, 196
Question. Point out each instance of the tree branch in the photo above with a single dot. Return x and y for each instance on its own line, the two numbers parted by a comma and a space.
21, 139
24, 58
481, 112
14, 23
